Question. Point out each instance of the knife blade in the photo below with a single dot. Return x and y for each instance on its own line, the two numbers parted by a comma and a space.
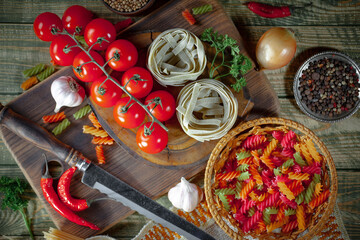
97, 178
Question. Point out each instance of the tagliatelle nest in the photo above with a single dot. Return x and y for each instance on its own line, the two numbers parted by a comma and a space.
176, 56
206, 110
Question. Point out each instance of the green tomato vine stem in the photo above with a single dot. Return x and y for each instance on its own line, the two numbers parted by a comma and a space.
108, 77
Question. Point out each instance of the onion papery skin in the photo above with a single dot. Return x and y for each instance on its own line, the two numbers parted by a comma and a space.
275, 48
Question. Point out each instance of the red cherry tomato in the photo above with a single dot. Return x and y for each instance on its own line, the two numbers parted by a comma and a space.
99, 28
76, 16
43, 25
129, 117
138, 81
105, 95
89, 72
153, 143
128, 55
57, 50
167, 108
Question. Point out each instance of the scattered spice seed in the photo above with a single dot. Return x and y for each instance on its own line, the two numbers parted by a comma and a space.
329, 87
126, 5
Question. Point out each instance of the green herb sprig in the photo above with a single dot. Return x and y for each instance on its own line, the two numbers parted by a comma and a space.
11, 190
238, 65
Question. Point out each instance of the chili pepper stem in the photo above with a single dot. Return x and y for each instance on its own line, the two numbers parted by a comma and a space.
115, 82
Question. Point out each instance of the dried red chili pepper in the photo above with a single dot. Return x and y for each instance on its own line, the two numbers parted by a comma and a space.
52, 198
269, 11
64, 192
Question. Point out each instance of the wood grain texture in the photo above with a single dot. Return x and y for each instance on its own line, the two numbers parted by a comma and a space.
328, 23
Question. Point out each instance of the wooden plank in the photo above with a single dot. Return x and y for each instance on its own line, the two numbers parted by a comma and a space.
348, 200
22, 51
320, 13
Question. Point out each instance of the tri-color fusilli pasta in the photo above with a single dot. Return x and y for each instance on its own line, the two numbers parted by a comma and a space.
272, 179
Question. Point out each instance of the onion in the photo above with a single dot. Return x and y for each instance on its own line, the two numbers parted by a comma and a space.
275, 48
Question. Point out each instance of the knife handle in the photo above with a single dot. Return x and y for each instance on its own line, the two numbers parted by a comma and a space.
39, 136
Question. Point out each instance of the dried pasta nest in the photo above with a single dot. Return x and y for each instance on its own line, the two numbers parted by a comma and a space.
206, 110
235, 139
175, 57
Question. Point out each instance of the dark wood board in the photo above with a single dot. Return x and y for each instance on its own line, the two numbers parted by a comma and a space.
152, 180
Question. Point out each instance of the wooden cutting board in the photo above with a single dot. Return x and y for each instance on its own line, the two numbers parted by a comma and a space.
150, 179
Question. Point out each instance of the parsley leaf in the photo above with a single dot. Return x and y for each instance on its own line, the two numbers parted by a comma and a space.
238, 66
12, 189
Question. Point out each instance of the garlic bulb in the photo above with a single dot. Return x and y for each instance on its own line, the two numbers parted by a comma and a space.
67, 92
185, 195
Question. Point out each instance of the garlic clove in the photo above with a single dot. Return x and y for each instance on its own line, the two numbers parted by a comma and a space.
185, 195
66, 92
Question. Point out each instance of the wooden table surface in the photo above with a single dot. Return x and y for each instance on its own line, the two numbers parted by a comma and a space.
327, 24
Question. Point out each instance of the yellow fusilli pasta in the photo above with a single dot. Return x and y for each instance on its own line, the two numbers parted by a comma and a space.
285, 190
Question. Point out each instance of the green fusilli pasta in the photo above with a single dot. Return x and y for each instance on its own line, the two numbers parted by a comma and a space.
242, 155
244, 175
242, 167
225, 201
225, 191
46, 73
300, 198
202, 9
82, 112
290, 211
310, 192
238, 188
316, 178
61, 127
299, 159
34, 70
266, 217
271, 210
251, 211
277, 172
288, 163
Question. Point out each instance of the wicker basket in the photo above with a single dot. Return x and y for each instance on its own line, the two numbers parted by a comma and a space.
223, 148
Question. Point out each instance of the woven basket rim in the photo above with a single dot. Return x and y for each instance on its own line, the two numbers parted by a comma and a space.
244, 126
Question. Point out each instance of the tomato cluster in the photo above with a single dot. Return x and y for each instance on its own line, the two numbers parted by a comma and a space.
120, 55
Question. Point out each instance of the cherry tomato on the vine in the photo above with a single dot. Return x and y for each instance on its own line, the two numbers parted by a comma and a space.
105, 94
128, 117
44, 23
57, 52
99, 27
138, 81
90, 71
127, 54
153, 143
166, 109
76, 16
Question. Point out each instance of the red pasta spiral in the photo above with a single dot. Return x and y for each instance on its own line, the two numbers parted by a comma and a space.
189, 17
246, 205
252, 221
289, 226
290, 203
269, 201
240, 217
278, 135
54, 118
277, 161
287, 142
319, 199
288, 152
312, 169
253, 142
266, 177
297, 168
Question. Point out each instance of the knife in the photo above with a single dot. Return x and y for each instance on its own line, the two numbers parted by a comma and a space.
97, 178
